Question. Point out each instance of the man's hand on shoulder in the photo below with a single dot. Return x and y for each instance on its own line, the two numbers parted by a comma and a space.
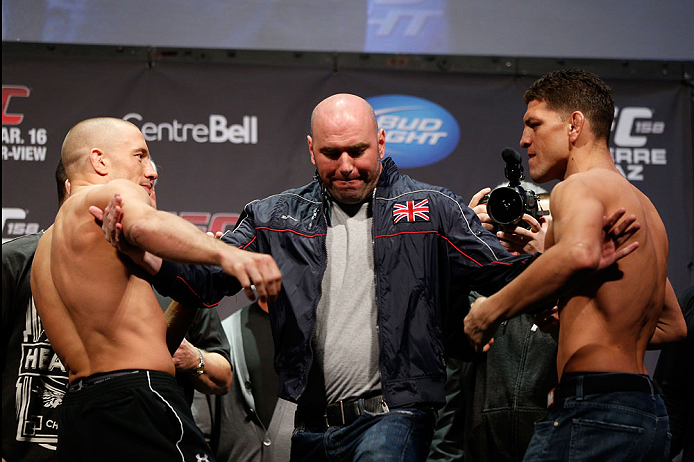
111, 221
615, 236
522, 240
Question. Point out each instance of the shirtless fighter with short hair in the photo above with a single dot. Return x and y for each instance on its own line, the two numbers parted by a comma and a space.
101, 314
604, 407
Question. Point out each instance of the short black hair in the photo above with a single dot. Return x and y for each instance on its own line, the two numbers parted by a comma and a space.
571, 90
60, 177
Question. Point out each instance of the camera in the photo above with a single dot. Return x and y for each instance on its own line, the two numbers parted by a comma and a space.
507, 204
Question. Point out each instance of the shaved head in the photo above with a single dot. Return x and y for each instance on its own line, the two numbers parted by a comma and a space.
96, 151
100, 132
345, 106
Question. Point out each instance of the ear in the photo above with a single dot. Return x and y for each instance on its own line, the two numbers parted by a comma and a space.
381, 143
68, 186
310, 149
576, 125
96, 159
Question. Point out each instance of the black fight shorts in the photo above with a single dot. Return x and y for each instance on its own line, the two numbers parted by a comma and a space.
136, 415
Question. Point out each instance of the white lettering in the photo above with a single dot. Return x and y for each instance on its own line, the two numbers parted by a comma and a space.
622, 134
642, 155
416, 20
31, 153
12, 213
218, 131
639, 156
658, 157
12, 135
635, 172
431, 125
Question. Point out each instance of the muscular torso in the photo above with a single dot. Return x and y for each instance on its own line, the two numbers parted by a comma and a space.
99, 313
606, 324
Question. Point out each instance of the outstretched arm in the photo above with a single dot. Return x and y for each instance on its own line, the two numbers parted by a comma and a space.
172, 238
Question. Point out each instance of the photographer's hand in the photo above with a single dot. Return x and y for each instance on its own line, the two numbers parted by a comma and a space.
481, 209
523, 240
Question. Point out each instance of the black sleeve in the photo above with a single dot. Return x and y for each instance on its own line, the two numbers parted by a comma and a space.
206, 333
674, 378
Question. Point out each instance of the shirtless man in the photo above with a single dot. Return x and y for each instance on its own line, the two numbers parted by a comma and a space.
604, 407
101, 314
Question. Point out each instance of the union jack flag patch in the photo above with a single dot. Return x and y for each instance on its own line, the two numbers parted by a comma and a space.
411, 211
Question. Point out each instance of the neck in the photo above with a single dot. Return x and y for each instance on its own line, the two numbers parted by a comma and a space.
587, 156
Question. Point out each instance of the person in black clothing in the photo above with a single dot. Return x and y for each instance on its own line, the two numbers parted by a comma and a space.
674, 377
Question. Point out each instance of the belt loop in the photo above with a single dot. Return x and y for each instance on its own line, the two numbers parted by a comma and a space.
342, 411
650, 384
579, 387
360, 406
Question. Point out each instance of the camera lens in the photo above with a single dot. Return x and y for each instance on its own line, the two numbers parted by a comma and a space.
505, 206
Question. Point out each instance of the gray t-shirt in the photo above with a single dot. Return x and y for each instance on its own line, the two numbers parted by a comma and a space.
346, 340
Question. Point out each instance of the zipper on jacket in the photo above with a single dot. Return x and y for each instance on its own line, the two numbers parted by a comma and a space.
320, 295
378, 310
313, 217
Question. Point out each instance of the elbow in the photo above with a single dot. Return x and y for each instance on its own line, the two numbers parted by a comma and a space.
584, 258
680, 332
223, 384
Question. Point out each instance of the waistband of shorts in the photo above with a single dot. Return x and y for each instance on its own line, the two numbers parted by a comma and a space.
590, 383
121, 378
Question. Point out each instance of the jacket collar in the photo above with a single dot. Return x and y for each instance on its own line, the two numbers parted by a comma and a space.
389, 173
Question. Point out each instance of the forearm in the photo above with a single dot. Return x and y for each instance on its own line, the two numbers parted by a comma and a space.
216, 379
172, 238
553, 274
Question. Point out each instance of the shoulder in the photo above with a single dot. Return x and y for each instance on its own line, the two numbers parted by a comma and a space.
407, 188
307, 194
100, 195
403, 184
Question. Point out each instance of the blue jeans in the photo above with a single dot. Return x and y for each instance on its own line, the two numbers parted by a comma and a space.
399, 435
615, 426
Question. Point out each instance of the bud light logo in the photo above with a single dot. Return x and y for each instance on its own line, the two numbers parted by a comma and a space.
418, 132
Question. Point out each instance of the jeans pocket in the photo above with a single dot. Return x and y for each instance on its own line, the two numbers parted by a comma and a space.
598, 440
537, 448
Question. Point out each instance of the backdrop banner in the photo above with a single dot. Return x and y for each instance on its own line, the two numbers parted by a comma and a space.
223, 134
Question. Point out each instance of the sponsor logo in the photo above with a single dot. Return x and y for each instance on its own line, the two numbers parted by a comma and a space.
15, 145
209, 222
14, 223
418, 132
411, 211
413, 18
217, 130
633, 127
9, 92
